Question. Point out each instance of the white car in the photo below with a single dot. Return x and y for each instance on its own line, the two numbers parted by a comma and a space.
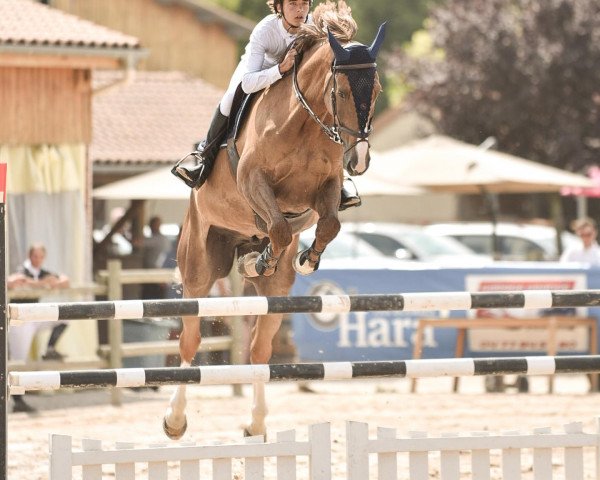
411, 242
516, 242
349, 251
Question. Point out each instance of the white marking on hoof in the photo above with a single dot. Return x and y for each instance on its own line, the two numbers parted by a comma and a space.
174, 433
247, 265
305, 269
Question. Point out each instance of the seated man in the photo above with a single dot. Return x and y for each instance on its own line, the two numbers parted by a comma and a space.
31, 274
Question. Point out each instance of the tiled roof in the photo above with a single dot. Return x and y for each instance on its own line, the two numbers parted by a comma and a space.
29, 23
155, 119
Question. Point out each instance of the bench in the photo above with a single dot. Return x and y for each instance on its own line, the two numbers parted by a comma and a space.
551, 324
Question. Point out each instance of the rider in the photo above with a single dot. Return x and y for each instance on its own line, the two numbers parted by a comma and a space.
258, 68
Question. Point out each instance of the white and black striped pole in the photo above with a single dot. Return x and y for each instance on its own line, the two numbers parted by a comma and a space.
247, 374
229, 306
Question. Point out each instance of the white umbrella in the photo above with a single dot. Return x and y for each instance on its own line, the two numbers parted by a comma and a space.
159, 184
442, 164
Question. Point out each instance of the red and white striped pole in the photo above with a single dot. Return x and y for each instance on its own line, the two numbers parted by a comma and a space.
3, 329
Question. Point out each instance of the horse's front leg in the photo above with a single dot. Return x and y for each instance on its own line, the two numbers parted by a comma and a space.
328, 226
259, 194
175, 422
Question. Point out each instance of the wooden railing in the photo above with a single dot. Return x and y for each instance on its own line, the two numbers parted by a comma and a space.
110, 283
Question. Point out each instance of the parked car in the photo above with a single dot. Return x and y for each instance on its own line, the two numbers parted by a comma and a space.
343, 246
517, 242
411, 242
349, 251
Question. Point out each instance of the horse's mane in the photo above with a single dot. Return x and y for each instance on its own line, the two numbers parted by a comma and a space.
337, 17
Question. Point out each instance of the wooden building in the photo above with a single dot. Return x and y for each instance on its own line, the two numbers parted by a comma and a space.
46, 63
191, 36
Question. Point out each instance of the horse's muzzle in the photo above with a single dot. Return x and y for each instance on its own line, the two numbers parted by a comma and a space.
357, 158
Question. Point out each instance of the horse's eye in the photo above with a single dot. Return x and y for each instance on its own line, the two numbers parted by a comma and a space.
342, 95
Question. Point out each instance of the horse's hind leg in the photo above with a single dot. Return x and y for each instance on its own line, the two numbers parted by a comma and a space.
208, 260
265, 328
175, 422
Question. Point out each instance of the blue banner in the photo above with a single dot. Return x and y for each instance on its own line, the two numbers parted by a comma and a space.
357, 336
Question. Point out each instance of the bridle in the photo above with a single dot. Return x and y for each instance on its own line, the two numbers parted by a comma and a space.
333, 131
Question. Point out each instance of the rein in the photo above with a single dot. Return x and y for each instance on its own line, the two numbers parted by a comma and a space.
333, 131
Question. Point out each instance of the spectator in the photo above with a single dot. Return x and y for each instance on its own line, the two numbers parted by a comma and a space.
155, 251
589, 251
31, 274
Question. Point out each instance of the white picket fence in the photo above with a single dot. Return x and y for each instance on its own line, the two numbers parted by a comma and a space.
120, 463
541, 455
447, 451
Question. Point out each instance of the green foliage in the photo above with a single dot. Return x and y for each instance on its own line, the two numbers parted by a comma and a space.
523, 71
403, 16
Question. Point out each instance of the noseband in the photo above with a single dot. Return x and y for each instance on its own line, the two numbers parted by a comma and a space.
333, 131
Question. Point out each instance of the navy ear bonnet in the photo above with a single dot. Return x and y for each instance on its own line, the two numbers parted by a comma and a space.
362, 76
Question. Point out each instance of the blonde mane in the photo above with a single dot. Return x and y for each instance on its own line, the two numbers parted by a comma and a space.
337, 17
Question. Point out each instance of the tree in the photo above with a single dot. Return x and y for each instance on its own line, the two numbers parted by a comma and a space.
403, 16
524, 71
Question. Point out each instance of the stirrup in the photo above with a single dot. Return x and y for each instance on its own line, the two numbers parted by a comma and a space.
349, 195
192, 177
349, 202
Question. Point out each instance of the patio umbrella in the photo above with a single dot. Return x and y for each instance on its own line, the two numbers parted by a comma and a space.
442, 164
160, 184
157, 184
583, 194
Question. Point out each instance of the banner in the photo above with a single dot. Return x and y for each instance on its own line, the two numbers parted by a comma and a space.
358, 336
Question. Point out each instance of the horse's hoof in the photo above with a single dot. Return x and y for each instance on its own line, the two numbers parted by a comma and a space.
302, 268
246, 266
172, 433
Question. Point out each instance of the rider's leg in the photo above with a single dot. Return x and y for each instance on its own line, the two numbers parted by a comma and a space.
349, 195
194, 176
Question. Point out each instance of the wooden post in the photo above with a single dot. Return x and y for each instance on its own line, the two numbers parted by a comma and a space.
115, 327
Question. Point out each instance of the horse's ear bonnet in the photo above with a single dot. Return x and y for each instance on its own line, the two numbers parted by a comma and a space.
362, 77
357, 53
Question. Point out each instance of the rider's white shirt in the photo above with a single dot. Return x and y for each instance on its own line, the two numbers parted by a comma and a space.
259, 66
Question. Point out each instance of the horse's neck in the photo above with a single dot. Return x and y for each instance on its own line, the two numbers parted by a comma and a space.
312, 78
278, 106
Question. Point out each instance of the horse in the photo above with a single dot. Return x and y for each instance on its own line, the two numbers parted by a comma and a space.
301, 132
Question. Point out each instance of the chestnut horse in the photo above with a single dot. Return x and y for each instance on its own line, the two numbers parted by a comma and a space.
300, 134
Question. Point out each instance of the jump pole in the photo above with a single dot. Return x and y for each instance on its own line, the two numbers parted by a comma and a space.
231, 306
247, 374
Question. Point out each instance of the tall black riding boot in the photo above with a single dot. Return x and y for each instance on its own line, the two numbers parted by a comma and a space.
349, 195
205, 154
